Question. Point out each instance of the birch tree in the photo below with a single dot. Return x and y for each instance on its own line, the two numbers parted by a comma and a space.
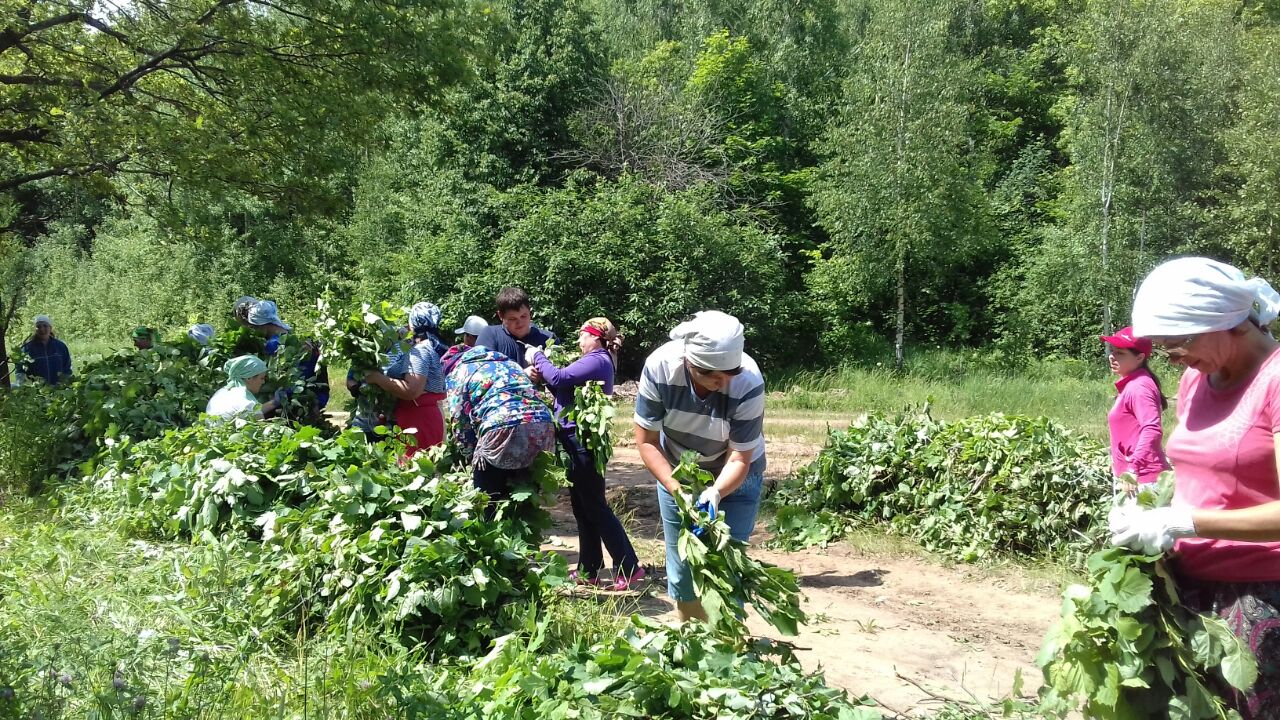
895, 191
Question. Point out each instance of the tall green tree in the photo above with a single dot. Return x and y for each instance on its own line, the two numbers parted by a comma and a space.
1150, 90
1253, 142
896, 191
217, 89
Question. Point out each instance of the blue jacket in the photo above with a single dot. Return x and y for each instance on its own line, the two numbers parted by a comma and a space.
497, 339
51, 360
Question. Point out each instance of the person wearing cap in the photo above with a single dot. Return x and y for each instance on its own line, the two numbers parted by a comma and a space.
47, 357
471, 330
201, 334
700, 392
235, 399
599, 342
516, 331
263, 317
144, 338
416, 381
1224, 521
1134, 420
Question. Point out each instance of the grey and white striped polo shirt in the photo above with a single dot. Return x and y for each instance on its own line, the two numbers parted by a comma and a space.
732, 419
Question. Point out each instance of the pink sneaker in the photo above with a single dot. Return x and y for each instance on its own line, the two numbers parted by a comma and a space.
623, 582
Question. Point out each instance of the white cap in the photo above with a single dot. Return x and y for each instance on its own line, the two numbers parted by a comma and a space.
472, 326
43, 319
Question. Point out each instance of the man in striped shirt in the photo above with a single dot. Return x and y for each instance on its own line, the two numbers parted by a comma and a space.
701, 392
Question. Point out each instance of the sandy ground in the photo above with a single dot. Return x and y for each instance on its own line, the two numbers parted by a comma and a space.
883, 623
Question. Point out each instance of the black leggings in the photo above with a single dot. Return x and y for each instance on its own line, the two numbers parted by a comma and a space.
596, 522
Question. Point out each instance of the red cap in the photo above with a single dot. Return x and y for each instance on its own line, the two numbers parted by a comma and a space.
1127, 340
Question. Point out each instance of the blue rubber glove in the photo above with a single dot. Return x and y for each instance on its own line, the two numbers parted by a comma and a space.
700, 530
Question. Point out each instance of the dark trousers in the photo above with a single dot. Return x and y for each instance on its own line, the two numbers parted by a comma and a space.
496, 482
596, 522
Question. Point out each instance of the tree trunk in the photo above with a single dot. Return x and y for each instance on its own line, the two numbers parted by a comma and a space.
900, 269
899, 352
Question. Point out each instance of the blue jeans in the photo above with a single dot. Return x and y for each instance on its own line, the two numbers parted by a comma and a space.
739, 510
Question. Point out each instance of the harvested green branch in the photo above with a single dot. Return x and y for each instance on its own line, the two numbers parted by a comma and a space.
593, 413
724, 576
1125, 646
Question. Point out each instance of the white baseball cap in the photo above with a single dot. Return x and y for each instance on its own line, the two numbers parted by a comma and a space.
472, 326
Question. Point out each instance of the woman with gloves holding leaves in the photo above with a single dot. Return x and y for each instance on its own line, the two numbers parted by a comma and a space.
1224, 522
700, 392
245, 375
416, 380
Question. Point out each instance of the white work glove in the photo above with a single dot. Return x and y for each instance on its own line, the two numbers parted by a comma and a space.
530, 351
710, 496
1149, 531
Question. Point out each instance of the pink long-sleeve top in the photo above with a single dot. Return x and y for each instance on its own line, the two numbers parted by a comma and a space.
1136, 432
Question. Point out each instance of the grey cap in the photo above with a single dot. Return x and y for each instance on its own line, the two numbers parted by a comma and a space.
265, 313
472, 326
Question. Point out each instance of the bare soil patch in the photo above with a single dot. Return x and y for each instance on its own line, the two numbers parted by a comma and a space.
884, 623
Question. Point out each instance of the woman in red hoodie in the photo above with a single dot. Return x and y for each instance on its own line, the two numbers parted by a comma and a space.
1134, 420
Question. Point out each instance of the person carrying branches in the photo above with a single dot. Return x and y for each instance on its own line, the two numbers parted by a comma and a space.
599, 342
1224, 521
701, 392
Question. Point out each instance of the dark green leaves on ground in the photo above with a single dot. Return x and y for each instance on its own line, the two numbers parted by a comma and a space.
966, 489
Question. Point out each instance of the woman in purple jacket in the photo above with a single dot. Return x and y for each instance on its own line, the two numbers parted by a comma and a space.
1134, 420
599, 341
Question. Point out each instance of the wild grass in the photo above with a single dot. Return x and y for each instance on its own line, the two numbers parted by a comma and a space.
954, 386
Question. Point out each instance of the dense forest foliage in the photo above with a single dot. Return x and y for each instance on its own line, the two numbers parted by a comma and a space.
841, 174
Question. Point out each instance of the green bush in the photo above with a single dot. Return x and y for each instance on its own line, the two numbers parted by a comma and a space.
28, 444
339, 530
646, 258
968, 489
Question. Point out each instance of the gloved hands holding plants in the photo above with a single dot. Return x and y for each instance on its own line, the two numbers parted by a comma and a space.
1149, 531
710, 498
530, 351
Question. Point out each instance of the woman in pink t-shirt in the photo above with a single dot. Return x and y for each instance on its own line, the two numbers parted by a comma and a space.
1134, 420
1224, 523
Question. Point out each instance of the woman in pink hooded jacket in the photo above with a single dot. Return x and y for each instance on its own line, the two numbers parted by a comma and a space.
1134, 420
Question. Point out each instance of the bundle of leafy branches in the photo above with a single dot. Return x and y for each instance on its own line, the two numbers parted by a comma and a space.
366, 337
966, 489
136, 394
724, 576
1125, 646
234, 342
561, 355
337, 530
283, 371
593, 413
650, 670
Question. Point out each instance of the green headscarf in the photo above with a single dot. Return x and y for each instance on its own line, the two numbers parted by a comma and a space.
242, 368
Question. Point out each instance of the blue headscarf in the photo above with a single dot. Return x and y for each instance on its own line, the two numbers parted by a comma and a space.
424, 322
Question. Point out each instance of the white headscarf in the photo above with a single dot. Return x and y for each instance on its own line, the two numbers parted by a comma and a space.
1193, 295
712, 340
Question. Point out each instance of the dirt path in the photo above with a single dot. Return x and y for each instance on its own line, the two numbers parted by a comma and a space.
883, 623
